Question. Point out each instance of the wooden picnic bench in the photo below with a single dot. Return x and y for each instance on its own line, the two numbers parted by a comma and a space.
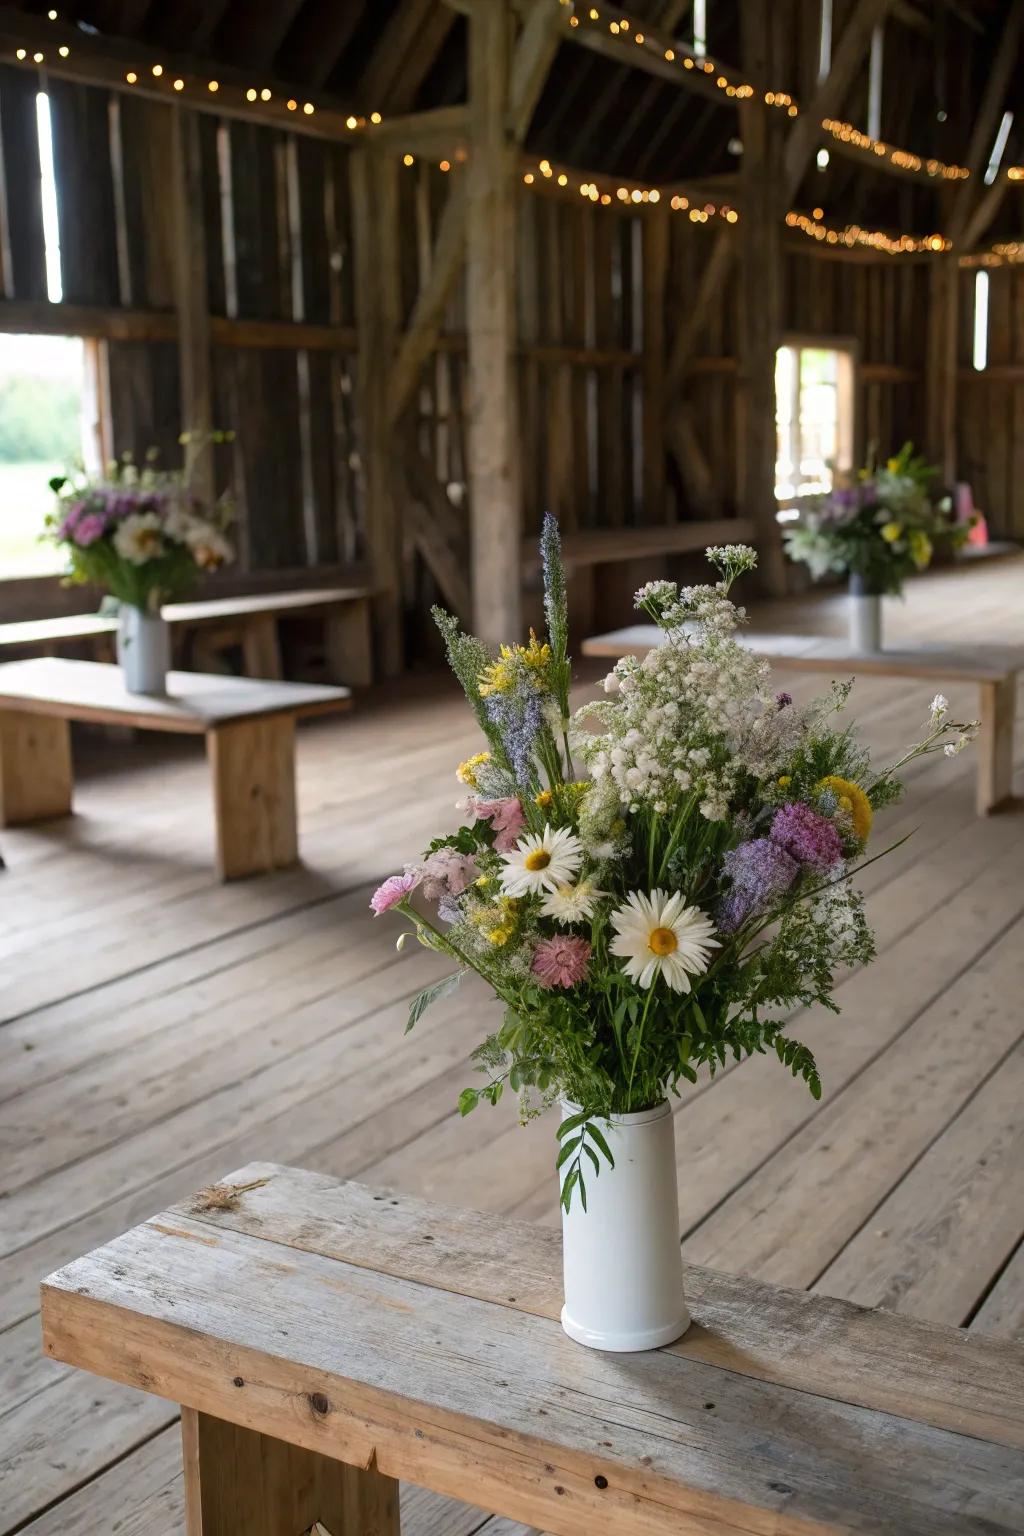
249, 728
325, 1341
250, 622
992, 670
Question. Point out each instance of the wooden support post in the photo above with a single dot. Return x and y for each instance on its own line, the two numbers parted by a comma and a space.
374, 181
348, 641
261, 647
495, 499
252, 764
655, 275
241, 1483
760, 296
194, 357
35, 768
995, 743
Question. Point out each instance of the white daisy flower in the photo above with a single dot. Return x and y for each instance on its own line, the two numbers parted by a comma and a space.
541, 861
139, 538
939, 706
659, 933
570, 904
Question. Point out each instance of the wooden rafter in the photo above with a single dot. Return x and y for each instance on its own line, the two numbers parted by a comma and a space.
318, 39
966, 208
828, 100
253, 30
405, 51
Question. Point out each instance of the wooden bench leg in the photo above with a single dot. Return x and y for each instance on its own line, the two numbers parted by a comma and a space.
348, 637
35, 768
240, 1483
261, 647
252, 764
995, 744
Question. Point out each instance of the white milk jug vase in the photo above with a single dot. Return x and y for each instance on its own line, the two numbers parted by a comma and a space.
865, 615
143, 650
622, 1266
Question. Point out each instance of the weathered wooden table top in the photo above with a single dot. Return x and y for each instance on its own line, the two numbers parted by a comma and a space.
821, 653
195, 701
424, 1341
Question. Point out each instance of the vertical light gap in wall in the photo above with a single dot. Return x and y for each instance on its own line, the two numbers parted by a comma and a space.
875, 70
6, 258
700, 28
980, 353
293, 213
996, 157
48, 196
227, 221
825, 39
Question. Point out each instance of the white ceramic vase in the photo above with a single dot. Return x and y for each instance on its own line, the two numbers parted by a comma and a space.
143, 650
865, 616
623, 1271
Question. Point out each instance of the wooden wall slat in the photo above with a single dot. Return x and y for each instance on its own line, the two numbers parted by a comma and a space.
20, 142
80, 126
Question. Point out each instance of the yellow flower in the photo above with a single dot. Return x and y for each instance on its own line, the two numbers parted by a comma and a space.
500, 675
498, 921
785, 781
892, 465
543, 798
891, 532
466, 772
920, 548
853, 799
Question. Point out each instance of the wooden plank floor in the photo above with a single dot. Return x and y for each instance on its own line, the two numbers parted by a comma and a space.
158, 1030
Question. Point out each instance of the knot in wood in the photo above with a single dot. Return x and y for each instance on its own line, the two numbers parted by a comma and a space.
318, 1402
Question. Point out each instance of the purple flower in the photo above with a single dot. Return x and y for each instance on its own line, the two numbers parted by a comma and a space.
89, 528
783, 700
760, 872
517, 715
395, 889
807, 836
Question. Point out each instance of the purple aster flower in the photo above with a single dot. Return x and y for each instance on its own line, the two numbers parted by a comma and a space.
760, 872
783, 700
807, 836
89, 528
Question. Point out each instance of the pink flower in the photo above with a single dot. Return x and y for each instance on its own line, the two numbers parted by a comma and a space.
447, 873
506, 818
807, 836
395, 889
561, 961
89, 528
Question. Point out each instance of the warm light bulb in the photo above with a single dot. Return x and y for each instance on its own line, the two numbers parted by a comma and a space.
179, 85
214, 85
655, 196
563, 180
308, 108
63, 50
250, 94
446, 165
350, 122
409, 159
37, 58
264, 94
670, 54
131, 77
51, 15
528, 178
158, 70
21, 54
375, 117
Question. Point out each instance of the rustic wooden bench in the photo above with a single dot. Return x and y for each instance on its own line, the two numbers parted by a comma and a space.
249, 728
250, 622
325, 1341
993, 670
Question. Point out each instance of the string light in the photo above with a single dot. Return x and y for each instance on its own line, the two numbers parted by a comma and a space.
1007, 251
63, 50
876, 239
308, 108
1015, 173
131, 77
37, 58
265, 94
158, 70
21, 54
903, 159
408, 159
179, 84
250, 94
214, 85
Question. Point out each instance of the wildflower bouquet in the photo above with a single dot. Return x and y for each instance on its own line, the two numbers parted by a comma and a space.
140, 533
878, 530
652, 885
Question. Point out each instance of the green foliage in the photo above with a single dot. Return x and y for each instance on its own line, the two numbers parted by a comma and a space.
430, 995
39, 419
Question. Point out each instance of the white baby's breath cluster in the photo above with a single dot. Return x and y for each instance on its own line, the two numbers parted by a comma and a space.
696, 715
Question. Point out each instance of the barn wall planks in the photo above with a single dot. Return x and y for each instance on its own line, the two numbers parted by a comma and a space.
990, 419
604, 293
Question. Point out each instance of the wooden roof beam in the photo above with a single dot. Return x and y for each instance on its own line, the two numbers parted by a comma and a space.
319, 37
969, 198
253, 30
404, 54
833, 90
